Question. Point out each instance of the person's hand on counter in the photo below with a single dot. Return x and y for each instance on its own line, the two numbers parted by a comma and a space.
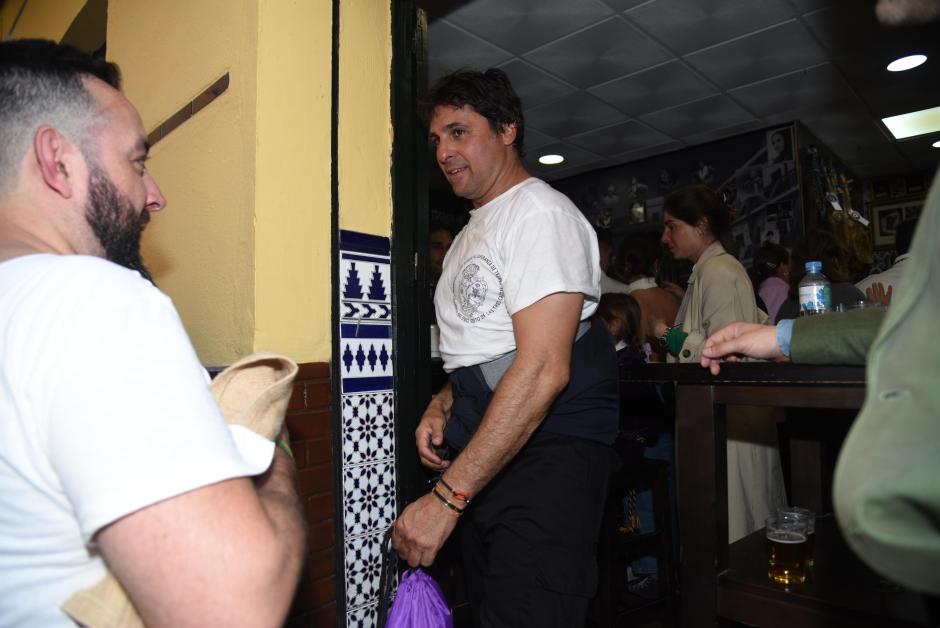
739, 340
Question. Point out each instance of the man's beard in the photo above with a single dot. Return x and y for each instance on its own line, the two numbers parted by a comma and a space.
115, 222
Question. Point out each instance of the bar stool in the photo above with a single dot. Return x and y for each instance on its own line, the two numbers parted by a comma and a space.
614, 605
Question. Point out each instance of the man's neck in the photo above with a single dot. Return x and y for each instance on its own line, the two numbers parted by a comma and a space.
512, 176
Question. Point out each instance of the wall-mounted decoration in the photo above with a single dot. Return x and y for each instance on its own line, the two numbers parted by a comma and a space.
886, 219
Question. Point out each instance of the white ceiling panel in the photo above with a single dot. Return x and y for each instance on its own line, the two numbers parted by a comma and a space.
533, 85
658, 88
759, 56
714, 112
807, 87
620, 138
521, 25
688, 25
573, 114
456, 49
599, 53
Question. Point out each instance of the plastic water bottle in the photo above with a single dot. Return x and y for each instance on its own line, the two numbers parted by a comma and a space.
815, 291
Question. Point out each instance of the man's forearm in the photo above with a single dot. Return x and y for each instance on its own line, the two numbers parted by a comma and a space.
518, 406
277, 492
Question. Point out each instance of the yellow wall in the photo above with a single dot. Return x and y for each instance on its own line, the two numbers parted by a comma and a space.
292, 191
44, 19
201, 248
365, 126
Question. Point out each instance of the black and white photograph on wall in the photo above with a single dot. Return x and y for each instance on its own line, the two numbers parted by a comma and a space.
885, 223
637, 213
779, 145
654, 211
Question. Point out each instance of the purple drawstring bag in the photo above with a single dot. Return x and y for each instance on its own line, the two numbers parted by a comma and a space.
419, 603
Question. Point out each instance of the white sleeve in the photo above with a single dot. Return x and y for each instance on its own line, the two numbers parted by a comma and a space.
131, 419
549, 251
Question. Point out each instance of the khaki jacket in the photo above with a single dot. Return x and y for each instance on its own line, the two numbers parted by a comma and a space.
719, 293
887, 481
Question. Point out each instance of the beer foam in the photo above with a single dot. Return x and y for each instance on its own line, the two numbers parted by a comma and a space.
786, 537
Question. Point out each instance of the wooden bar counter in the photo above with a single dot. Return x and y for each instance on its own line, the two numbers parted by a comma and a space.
718, 580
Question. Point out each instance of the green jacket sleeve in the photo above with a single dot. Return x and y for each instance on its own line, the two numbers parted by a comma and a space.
837, 338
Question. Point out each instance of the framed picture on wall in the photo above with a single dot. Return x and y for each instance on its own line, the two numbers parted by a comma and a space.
885, 221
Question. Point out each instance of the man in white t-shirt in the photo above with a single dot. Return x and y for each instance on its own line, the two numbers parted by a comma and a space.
531, 407
113, 452
890, 278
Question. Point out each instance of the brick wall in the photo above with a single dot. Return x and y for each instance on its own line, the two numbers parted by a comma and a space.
309, 421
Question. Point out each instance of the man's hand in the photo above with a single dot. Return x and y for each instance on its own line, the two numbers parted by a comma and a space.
430, 432
740, 339
420, 531
876, 293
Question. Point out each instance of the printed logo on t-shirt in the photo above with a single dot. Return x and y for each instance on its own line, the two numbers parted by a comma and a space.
477, 278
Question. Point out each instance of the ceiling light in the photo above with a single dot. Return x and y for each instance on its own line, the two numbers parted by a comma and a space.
936, 144
906, 63
551, 160
914, 123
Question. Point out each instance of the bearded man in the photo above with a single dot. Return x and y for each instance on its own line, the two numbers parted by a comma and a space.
113, 451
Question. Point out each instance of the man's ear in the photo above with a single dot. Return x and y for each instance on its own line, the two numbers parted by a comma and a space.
508, 134
52, 153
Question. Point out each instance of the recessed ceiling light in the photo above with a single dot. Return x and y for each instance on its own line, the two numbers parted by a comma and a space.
936, 144
551, 160
906, 63
914, 123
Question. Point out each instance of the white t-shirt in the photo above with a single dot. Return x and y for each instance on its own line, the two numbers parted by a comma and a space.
104, 409
527, 243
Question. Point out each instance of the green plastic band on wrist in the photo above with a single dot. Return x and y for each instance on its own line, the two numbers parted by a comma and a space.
285, 446
674, 340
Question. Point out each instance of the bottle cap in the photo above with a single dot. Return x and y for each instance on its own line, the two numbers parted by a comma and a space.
813, 267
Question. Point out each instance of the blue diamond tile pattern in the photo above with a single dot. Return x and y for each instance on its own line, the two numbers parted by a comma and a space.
366, 363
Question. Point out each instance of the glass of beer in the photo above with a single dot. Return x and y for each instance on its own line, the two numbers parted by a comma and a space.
786, 550
803, 514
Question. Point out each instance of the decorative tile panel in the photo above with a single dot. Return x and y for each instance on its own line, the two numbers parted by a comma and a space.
368, 428
366, 365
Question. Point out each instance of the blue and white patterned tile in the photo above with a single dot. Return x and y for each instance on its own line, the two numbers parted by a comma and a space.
364, 617
363, 569
366, 357
368, 498
368, 428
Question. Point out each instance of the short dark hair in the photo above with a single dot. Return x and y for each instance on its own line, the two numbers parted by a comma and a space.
904, 234
41, 83
695, 202
767, 260
489, 93
616, 305
638, 255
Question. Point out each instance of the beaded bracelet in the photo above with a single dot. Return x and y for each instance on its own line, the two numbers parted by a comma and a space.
458, 494
447, 503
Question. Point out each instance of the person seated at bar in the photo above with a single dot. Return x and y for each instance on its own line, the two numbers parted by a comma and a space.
639, 259
771, 277
885, 491
820, 245
114, 455
605, 246
719, 292
646, 426
890, 279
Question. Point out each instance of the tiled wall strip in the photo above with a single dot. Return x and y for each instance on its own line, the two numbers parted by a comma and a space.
188, 110
368, 424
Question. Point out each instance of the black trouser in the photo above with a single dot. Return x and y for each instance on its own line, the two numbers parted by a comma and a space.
528, 542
